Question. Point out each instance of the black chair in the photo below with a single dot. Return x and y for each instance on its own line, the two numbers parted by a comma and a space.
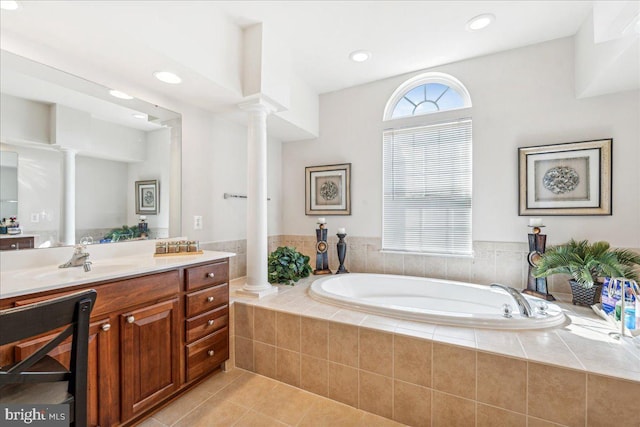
39, 378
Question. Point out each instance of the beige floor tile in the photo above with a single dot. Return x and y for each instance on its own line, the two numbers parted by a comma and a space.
255, 419
150, 422
219, 380
247, 389
537, 422
177, 409
327, 413
285, 403
215, 412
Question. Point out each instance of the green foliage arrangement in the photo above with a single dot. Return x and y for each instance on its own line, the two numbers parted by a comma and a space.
287, 266
586, 262
124, 233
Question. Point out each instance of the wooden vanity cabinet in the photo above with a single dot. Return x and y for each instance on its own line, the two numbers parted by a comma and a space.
16, 243
102, 352
150, 337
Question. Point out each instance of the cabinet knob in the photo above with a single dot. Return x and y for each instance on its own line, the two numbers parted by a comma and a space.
14, 246
210, 299
211, 353
131, 319
210, 322
211, 275
106, 327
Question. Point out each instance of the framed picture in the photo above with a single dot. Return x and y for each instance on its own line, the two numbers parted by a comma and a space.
328, 190
566, 179
147, 197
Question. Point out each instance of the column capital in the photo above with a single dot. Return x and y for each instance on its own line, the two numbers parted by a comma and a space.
260, 103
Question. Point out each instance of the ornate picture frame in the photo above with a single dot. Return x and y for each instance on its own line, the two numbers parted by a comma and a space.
566, 179
328, 189
147, 197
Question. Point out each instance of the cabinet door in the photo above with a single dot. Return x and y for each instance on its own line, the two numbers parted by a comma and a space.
100, 370
149, 346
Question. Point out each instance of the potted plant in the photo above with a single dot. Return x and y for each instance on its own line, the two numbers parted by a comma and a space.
586, 263
287, 265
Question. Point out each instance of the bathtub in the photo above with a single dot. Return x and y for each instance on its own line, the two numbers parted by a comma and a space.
431, 300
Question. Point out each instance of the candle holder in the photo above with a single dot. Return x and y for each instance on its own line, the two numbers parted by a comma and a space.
537, 286
342, 253
322, 259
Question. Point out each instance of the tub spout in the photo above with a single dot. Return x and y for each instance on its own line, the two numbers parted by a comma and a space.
521, 301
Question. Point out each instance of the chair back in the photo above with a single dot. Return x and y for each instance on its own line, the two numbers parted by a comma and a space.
72, 311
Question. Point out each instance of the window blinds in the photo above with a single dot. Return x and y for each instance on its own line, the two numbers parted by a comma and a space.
427, 189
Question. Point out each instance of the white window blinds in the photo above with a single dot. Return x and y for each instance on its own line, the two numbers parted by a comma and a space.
427, 189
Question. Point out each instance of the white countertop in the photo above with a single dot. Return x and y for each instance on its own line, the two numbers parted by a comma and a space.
44, 278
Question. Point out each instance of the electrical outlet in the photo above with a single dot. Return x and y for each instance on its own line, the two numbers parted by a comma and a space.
197, 222
35, 217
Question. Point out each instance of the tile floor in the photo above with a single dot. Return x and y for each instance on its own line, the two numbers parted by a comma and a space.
240, 398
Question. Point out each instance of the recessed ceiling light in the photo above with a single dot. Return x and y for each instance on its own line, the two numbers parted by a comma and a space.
479, 22
9, 4
140, 116
119, 94
360, 55
167, 77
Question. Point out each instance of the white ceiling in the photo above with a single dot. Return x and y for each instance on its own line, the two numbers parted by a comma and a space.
130, 38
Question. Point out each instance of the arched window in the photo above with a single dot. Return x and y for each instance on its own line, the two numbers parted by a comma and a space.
427, 167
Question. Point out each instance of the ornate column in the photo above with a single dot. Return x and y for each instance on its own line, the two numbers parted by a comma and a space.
257, 242
68, 208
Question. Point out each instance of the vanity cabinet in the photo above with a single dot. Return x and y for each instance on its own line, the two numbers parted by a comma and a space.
15, 243
207, 318
151, 337
149, 346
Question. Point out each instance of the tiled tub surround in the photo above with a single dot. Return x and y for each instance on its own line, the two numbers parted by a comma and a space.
432, 375
501, 262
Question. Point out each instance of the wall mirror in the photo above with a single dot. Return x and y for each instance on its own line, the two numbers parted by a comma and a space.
81, 150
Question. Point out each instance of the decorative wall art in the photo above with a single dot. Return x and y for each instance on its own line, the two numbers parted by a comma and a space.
566, 179
328, 190
147, 197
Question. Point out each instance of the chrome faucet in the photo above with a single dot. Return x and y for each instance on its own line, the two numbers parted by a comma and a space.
78, 259
521, 301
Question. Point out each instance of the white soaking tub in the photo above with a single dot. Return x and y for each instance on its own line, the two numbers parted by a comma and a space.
432, 300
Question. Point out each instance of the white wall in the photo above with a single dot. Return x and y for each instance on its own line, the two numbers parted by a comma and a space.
521, 97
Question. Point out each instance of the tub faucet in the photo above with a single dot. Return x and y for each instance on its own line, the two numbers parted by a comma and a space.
521, 301
78, 259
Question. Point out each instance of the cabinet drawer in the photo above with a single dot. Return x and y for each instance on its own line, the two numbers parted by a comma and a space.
207, 353
205, 323
207, 299
12, 243
207, 275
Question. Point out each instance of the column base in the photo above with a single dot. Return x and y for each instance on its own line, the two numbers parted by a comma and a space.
257, 293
